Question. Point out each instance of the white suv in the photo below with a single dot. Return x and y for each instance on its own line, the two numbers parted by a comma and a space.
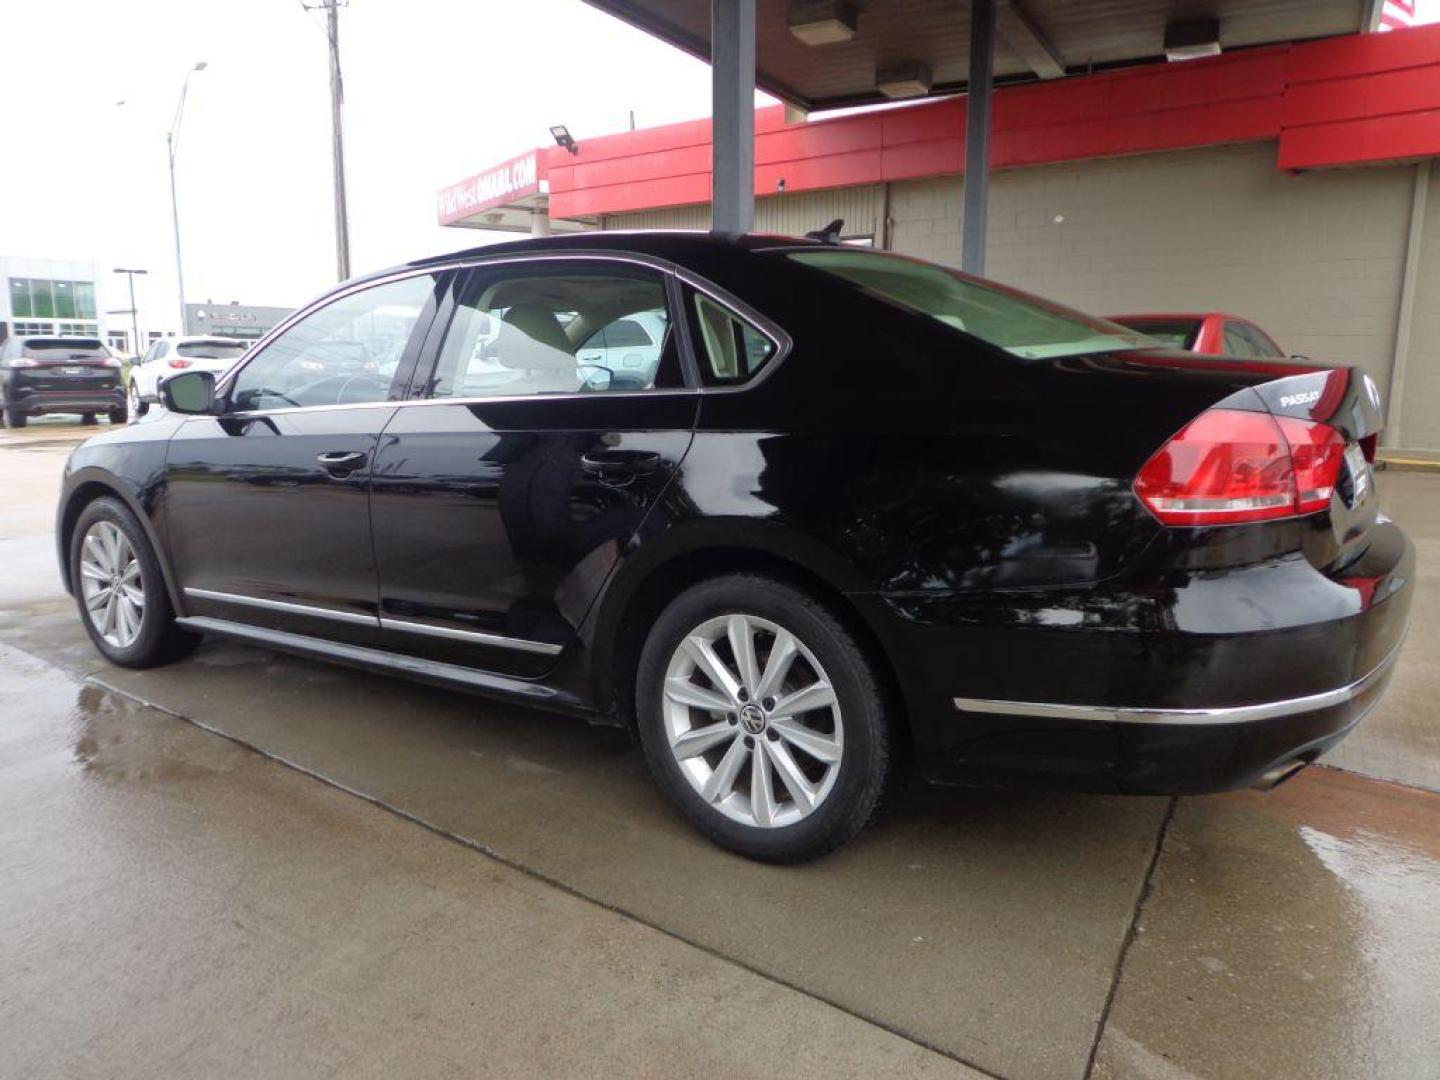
168, 356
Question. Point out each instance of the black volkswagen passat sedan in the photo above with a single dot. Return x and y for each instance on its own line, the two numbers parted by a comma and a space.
862, 510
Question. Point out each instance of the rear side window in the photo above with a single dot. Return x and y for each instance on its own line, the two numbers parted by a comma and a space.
1237, 341
1260, 344
1176, 333
65, 349
730, 349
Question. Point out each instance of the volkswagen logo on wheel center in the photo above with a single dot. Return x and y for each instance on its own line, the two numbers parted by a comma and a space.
753, 717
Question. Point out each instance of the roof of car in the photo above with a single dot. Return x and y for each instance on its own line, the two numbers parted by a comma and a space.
1180, 315
673, 244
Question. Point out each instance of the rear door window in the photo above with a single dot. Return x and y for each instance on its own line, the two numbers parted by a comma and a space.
557, 328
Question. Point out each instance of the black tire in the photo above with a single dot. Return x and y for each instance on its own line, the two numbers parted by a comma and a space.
15, 418
865, 764
159, 640
118, 416
88, 419
136, 406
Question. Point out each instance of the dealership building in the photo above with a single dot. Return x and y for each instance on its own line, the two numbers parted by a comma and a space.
1287, 181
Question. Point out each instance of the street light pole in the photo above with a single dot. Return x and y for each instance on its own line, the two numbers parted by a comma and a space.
337, 134
134, 311
337, 141
172, 140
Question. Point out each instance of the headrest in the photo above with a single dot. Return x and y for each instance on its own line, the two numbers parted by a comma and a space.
532, 339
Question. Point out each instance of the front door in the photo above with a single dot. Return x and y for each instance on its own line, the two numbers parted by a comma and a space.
552, 420
266, 507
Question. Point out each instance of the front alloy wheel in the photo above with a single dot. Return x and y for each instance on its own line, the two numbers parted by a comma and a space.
763, 718
120, 588
111, 585
752, 720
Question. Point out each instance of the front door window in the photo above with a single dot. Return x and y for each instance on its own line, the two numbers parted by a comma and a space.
344, 353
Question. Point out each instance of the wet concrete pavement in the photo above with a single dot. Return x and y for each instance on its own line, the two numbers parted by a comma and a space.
181, 896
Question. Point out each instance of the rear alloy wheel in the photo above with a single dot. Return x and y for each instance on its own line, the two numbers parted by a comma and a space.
761, 717
138, 408
120, 590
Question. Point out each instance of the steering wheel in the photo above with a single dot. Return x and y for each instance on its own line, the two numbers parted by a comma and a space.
266, 392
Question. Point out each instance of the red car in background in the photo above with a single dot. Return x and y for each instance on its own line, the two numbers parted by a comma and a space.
1214, 332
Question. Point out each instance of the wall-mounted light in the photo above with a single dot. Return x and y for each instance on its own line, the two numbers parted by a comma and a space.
822, 22
904, 80
1192, 39
563, 138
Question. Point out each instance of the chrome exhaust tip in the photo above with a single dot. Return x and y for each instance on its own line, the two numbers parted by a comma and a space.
1276, 775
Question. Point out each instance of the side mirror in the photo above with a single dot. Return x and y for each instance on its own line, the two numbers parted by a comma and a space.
190, 392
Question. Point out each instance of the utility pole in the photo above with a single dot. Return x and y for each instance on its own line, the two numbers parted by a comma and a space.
337, 139
172, 144
135, 349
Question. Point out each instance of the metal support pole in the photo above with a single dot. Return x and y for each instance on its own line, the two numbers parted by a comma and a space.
1404, 322
977, 135
732, 92
134, 316
337, 145
175, 220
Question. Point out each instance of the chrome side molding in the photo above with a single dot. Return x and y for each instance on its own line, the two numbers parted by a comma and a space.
282, 605
475, 637
404, 626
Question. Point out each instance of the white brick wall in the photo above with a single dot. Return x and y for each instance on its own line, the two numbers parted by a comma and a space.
1420, 418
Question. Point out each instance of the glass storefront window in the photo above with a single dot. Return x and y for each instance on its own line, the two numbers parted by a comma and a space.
64, 299
36, 298
42, 299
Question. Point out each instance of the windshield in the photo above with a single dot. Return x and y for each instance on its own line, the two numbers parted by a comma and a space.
65, 349
1017, 322
211, 350
1177, 333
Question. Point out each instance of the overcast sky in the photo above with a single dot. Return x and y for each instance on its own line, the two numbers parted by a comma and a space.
435, 90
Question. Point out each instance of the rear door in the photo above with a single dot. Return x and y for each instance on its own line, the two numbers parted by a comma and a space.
266, 507
506, 491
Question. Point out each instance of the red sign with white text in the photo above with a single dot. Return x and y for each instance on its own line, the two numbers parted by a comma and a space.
515, 179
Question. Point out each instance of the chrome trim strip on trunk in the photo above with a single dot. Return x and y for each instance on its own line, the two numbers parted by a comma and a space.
282, 605
473, 636
1230, 714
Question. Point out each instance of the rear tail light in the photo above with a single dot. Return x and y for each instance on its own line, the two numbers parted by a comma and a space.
1227, 466
181, 363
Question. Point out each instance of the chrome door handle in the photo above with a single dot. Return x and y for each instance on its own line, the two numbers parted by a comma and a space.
342, 462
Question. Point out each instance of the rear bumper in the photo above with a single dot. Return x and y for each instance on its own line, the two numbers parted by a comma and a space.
1197, 684
63, 401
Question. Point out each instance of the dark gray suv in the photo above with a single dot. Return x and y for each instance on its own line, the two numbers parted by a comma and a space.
60, 375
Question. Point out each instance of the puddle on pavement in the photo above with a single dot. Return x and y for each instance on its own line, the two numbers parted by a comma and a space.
1303, 924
